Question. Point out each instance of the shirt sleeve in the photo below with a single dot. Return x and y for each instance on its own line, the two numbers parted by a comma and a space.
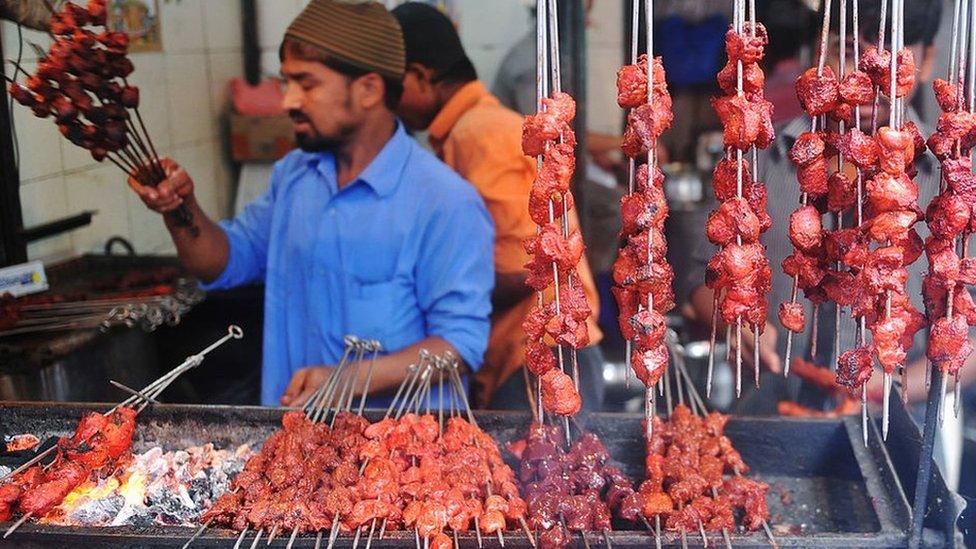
492, 160
248, 235
455, 276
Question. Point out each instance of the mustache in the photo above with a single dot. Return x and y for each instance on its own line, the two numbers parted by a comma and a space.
298, 116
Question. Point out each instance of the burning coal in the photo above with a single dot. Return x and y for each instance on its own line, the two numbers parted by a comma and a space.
155, 487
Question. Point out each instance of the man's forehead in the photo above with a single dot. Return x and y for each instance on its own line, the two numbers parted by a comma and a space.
292, 66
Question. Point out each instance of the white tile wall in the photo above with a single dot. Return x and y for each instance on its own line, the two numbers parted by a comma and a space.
11, 42
274, 17
223, 66
182, 25
37, 145
45, 199
183, 91
103, 189
190, 115
222, 21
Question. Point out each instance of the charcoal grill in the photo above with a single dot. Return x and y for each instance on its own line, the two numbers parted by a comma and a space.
842, 494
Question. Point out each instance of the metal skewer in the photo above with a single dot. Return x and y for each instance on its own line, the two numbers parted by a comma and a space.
804, 198
291, 539
896, 20
240, 538
197, 534
257, 538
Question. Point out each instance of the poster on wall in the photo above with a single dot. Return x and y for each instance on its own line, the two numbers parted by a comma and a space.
140, 20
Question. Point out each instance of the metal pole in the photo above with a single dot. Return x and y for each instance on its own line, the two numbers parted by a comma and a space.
13, 250
924, 477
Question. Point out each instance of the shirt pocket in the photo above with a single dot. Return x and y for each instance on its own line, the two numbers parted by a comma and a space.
370, 309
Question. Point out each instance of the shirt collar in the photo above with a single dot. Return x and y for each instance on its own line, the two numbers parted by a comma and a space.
383, 172
451, 112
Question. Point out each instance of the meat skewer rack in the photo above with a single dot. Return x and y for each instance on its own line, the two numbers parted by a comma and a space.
839, 492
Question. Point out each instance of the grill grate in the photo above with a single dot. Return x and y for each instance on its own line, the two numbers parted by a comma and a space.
839, 493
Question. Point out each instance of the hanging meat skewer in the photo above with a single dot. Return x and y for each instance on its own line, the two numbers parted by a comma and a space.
642, 276
555, 250
739, 274
847, 248
818, 91
948, 303
81, 82
876, 284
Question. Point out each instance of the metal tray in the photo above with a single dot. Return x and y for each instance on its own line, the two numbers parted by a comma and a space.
840, 494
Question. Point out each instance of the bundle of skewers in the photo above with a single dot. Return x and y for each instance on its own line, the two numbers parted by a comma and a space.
148, 308
98, 447
948, 304
739, 274
81, 82
641, 274
562, 310
329, 469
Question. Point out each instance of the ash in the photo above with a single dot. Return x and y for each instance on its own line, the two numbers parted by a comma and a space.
161, 488
4, 470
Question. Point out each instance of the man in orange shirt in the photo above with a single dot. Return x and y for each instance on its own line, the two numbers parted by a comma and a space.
472, 132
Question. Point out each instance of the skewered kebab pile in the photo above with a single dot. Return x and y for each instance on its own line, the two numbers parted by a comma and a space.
948, 304
562, 310
568, 490
97, 447
739, 273
411, 471
81, 81
641, 274
686, 489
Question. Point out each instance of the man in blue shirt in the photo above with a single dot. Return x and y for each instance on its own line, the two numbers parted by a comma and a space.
361, 232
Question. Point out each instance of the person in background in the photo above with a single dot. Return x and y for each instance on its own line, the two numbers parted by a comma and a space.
34, 14
361, 231
481, 139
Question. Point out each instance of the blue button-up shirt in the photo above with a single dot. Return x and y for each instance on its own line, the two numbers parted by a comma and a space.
402, 253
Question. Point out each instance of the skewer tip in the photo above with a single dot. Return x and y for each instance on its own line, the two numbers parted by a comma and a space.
13, 528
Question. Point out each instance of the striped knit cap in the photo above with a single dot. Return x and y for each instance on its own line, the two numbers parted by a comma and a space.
362, 34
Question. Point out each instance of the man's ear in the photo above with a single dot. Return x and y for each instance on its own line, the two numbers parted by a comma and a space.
369, 90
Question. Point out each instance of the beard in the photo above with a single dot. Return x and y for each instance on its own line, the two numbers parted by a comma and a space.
314, 141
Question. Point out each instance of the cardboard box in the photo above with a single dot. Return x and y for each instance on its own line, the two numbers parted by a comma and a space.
260, 138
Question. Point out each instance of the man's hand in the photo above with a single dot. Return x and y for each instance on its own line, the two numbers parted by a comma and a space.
170, 193
768, 357
305, 382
